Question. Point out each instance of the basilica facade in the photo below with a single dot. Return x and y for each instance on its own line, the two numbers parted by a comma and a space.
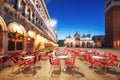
79, 41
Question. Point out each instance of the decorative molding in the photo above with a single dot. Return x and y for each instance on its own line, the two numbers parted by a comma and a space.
113, 3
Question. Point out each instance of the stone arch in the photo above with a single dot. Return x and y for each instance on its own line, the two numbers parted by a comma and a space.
83, 44
16, 37
31, 34
3, 24
17, 27
2, 29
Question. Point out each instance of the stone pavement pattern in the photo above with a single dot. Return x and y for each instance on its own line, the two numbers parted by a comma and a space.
83, 72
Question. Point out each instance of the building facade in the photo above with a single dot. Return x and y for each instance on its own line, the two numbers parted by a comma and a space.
99, 41
79, 41
112, 23
23, 26
61, 43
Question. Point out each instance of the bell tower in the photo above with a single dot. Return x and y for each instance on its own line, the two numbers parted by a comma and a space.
112, 23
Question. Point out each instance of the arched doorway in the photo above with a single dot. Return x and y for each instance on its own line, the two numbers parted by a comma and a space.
71, 44
88, 44
16, 37
77, 44
83, 44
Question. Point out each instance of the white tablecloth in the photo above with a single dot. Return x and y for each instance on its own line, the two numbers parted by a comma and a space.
28, 57
97, 57
62, 57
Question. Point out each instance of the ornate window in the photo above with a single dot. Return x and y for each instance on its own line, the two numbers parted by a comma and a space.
28, 14
37, 5
32, 18
22, 8
13, 3
37, 22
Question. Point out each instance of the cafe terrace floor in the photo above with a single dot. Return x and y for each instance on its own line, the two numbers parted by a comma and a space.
82, 71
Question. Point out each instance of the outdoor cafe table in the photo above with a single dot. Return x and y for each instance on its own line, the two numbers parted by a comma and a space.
42, 53
97, 57
62, 57
28, 57
82, 53
61, 52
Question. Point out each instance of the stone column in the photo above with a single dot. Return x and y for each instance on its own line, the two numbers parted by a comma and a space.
5, 42
42, 45
25, 43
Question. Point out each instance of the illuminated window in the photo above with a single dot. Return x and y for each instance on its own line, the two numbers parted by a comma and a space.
30, 43
15, 41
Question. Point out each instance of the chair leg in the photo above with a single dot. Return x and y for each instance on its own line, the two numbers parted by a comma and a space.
73, 70
118, 64
105, 69
33, 69
92, 67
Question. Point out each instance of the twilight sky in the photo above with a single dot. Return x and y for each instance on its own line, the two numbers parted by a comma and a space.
82, 16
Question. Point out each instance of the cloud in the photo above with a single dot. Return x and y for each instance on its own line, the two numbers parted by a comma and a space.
51, 23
